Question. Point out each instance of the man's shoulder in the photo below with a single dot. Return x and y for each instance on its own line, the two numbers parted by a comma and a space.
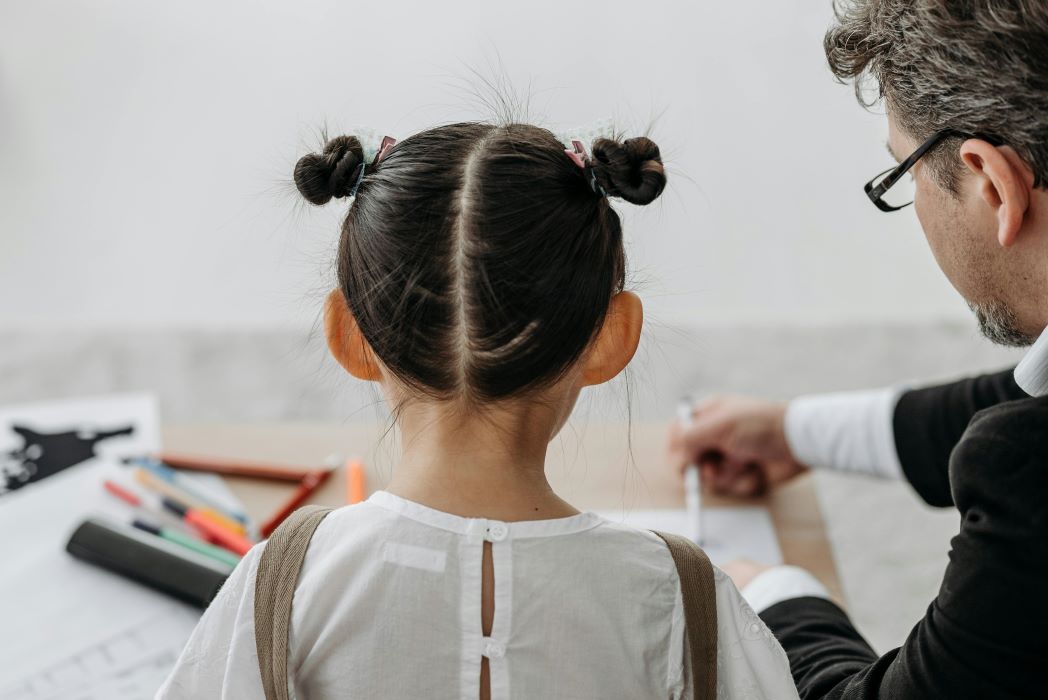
1024, 420
1004, 452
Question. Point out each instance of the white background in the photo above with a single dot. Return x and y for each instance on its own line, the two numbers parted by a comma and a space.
146, 148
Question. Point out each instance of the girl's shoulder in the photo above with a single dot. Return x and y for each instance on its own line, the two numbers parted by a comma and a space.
351, 530
646, 551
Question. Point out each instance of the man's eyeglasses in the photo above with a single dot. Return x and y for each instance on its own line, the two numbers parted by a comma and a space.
890, 191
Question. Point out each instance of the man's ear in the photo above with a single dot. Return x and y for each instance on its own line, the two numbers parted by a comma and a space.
346, 342
1004, 183
616, 342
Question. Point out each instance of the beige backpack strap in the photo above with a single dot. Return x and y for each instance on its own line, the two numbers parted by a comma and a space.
699, 595
274, 590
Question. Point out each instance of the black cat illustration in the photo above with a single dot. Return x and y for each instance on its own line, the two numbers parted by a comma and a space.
44, 454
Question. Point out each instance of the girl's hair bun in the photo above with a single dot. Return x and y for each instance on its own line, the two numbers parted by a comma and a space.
319, 177
631, 169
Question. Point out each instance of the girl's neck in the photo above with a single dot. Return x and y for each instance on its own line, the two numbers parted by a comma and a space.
478, 465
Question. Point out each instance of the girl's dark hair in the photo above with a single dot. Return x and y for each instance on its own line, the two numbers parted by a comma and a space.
478, 260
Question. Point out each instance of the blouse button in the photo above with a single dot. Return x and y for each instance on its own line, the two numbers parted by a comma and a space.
494, 650
497, 531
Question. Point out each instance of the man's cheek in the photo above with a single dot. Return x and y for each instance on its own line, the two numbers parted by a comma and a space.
936, 223
926, 215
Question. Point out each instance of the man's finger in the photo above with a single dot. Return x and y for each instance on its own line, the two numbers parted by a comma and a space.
752, 481
705, 405
736, 478
707, 472
727, 473
705, 434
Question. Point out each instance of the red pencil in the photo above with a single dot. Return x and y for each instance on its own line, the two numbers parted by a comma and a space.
233, 467
123, 494
310, 483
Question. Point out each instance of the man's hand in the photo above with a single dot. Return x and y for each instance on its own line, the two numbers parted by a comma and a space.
738, 443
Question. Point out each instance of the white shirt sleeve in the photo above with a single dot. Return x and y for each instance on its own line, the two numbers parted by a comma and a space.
846, 431
220, 660
750, 661
781, 583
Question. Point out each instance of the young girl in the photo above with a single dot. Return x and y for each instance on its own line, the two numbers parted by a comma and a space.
481, 272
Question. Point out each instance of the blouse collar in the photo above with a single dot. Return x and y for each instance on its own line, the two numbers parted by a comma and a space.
471, 526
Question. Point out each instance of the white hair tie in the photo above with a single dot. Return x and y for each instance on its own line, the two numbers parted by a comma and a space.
587, 134
374, 148
370, 142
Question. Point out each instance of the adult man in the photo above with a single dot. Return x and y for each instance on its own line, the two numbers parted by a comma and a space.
965, 85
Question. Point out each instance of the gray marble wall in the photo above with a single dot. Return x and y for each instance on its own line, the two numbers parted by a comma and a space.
269, 375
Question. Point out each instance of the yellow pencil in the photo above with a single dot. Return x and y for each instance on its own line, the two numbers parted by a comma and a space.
151, 481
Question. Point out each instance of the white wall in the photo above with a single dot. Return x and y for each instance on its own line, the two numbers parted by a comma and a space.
145, 148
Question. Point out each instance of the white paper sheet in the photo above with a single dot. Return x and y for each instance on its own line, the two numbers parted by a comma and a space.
130, 665
728, 533
52, 606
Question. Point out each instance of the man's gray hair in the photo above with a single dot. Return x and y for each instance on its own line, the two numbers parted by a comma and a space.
979, 66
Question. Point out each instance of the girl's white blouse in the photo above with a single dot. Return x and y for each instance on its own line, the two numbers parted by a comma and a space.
388, 606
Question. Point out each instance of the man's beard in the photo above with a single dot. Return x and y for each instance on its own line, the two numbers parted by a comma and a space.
999, 323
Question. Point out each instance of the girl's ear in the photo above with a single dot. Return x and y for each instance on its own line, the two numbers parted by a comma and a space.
617, 341
346, 342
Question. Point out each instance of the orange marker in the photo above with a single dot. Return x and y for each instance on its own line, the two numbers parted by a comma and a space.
222, 521
217, 534
355, 484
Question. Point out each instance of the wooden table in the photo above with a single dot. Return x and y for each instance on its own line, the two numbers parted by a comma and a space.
599, 466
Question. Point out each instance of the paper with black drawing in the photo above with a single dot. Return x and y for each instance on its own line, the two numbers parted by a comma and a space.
53, 606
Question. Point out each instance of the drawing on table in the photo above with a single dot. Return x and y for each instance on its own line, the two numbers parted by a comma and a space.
45, 440
42, 454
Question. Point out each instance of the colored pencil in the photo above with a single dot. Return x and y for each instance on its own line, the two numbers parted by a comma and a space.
210, 550
178, 480
312, 481
148, 504
218, 534
152, 481
234, 467
356, 489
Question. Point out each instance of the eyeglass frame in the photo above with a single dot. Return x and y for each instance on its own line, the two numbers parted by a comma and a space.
876, 192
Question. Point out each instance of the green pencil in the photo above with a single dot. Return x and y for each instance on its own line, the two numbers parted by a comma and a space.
189, 542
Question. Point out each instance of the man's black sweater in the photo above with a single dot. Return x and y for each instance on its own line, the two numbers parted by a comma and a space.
980, 445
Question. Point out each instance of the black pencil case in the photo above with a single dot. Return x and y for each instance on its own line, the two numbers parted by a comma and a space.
149, 560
